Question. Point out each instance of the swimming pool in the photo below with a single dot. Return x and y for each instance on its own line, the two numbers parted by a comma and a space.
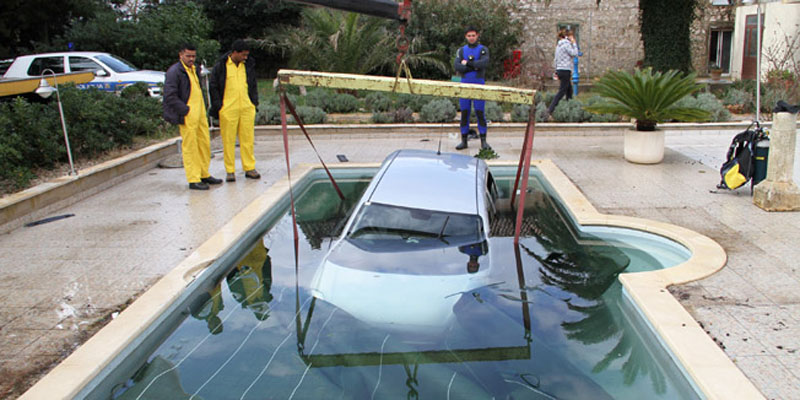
259, 333
236, 320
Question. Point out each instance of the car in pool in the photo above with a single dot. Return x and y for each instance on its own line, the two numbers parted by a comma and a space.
112, 73
416, 240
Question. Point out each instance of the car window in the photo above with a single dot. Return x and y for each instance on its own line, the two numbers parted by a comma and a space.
4, 64
83, 64
39, 64
398, 228
115, 63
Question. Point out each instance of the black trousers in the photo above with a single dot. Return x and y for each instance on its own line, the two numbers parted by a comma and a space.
564, 88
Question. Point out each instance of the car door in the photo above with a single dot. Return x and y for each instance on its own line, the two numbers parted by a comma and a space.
103, 79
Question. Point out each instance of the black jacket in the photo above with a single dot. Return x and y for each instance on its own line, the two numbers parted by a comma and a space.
177, 89
217, 83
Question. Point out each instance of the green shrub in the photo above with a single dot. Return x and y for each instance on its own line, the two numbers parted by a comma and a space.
708, 103
310, 115
412, 101
377, 102
399, 116
343, 103
96, 122
403, 116
541, 112
319, 97
138, 89
519, 113
385, 117
441, 24
33, 132
571, 111
546, 98
439, 110
268, 114
599, 117
739, 98
747, 85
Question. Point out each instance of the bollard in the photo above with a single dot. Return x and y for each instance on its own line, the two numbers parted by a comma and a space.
778, 192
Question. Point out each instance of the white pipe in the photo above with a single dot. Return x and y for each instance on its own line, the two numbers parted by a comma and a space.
758, 62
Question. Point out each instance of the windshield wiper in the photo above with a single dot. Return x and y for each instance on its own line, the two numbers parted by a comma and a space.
441, 232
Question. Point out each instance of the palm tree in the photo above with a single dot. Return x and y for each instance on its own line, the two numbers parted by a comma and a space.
646, 96
336, 41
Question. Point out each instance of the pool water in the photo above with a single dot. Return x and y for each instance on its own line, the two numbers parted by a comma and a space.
547, 321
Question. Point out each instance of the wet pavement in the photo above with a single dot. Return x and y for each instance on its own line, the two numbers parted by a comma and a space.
59, 281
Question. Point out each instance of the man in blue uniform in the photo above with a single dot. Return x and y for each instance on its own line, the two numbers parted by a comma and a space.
471, 63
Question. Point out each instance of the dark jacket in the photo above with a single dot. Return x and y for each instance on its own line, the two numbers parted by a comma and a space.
217, 83
477, 57
177, 88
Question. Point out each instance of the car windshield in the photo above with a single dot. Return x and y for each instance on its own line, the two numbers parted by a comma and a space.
379, 227
117, 64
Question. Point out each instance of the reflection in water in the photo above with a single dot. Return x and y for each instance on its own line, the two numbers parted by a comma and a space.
209, 311
251, 280
545, 323
587, 268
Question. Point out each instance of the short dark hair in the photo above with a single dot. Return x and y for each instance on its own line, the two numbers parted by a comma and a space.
187, 46
240, 45
471, 29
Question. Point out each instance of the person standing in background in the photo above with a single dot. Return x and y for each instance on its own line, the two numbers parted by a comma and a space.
234, 97
183, 105
566, 50
471, 62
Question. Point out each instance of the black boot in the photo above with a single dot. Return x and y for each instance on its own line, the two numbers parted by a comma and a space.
463, 144
484, 145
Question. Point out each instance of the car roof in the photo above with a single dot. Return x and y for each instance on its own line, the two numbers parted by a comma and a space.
426, 180
65, 53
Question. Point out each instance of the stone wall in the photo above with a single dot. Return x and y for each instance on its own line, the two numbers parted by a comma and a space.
608, 34
707, 17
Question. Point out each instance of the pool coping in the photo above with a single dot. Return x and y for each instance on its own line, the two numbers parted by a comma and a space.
716, 375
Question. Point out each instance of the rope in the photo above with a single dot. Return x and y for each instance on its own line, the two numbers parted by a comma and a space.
285, 100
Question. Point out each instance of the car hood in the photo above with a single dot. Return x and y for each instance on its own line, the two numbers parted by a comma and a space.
412, 292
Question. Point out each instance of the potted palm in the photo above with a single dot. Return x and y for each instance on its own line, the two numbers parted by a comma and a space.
648, 98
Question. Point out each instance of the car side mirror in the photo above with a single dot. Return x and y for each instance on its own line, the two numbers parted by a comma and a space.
100, 73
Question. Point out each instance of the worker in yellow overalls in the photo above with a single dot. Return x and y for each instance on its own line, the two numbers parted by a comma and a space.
183, 105
234, 97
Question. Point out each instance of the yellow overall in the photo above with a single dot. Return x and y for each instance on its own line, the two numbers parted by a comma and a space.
237, 117
196, 147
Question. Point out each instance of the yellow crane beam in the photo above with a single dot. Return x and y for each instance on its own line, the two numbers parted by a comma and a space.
501, 94
14, 86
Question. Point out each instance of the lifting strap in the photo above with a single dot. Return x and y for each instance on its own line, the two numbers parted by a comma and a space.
285, 100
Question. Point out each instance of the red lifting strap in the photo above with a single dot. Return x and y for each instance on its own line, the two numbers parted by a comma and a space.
289, 105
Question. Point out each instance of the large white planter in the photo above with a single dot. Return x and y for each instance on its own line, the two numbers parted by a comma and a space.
644, 147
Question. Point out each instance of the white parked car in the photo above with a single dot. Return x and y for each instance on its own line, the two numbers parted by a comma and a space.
416, 241
111, 72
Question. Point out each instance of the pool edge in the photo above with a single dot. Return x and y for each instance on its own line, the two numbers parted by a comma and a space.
714, 373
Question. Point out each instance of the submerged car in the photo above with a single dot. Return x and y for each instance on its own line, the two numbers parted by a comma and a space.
112, 73
416, 241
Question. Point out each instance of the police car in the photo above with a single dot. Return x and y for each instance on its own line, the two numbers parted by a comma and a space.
111, 72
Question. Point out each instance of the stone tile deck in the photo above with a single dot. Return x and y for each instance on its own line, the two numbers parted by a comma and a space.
59, 280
